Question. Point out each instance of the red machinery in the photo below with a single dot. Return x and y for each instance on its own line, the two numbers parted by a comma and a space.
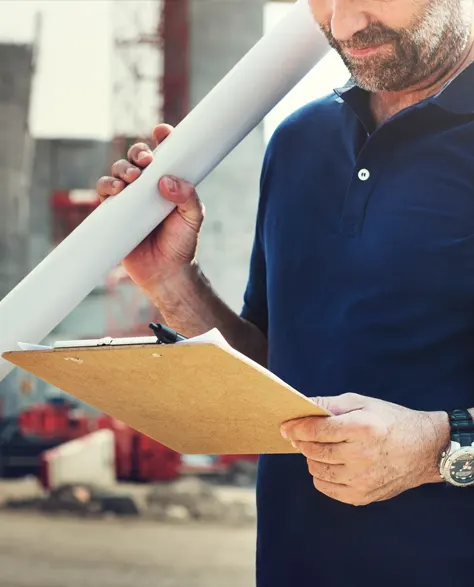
138, 457
53, 421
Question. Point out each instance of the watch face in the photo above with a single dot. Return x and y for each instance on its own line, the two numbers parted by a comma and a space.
462, 469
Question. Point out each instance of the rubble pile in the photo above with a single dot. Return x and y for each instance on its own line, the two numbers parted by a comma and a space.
193, 499
84, 500
186, 500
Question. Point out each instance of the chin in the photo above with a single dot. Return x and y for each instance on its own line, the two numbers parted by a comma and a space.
386, 82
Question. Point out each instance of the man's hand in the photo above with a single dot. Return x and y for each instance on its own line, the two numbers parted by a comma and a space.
169, 251
369, 450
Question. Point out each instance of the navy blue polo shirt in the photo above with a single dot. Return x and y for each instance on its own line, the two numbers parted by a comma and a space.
362, 277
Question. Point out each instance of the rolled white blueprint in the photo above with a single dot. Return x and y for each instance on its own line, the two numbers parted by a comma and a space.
196, 146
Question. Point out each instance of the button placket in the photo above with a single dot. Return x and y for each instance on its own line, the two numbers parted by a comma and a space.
375, 151
362, 183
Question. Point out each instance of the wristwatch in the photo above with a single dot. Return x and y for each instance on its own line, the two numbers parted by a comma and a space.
457, 462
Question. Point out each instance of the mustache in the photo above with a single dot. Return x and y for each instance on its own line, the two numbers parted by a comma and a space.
374, 34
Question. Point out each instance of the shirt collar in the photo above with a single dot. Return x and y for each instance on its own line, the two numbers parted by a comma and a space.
358, 100
457, 96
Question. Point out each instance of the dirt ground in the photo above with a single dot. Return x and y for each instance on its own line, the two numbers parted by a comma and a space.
38, 550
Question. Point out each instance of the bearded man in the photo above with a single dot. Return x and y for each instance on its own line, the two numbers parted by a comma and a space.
361, 295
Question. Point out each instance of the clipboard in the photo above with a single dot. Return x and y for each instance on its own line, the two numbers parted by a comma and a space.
196, 396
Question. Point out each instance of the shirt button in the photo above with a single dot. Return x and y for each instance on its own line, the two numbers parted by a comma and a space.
364, 174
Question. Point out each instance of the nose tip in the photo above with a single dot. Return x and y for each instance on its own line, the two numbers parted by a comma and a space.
346, 23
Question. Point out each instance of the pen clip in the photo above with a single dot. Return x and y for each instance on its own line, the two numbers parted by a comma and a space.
165, 335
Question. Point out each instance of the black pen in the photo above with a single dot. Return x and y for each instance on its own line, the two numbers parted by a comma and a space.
166, 335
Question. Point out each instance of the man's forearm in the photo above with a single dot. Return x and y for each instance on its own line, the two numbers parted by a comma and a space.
189, 305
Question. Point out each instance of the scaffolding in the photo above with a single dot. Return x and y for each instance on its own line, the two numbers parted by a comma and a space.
151, 81
150, 65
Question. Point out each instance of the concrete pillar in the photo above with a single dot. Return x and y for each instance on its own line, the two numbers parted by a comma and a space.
16, 147
222, 31
15, 163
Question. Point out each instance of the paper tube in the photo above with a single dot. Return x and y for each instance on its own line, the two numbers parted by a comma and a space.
196, 146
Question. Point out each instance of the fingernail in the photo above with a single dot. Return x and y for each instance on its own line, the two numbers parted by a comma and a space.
171, 184
294, 445
130, 171
143, 155
117, 185
283, 433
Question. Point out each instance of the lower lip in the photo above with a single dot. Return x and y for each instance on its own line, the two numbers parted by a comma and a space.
364, 52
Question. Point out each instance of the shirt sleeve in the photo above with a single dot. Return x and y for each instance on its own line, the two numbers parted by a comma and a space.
255, 306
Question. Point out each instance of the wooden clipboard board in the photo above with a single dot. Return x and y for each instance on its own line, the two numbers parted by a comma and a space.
195, 399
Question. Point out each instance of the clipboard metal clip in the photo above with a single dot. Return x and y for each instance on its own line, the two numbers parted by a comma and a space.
165, 335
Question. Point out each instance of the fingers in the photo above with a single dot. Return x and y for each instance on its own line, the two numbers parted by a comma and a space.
124, 171
318, 429
177, 190
330, 453
108, 186
342, 404
335, 482
184, 195
140, 155
333, 490
329, 473
161, 131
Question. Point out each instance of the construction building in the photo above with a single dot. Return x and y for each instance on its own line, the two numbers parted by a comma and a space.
48, 185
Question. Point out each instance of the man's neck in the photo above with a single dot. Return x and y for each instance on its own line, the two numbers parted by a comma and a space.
384, 105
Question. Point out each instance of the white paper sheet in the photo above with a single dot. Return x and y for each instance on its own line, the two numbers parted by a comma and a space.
197, 145
212, 337
25, 346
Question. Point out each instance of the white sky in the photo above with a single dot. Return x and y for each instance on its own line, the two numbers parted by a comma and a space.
73, 94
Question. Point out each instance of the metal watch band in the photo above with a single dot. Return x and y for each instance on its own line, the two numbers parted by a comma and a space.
462, 427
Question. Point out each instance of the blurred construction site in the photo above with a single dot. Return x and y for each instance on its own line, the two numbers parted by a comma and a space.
85, 499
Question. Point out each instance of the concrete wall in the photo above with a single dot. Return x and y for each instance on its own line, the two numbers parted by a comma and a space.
57, 165
60, 165
221, 33
16, 149
15, 162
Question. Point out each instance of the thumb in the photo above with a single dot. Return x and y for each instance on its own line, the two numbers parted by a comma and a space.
184, 195
341, 404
